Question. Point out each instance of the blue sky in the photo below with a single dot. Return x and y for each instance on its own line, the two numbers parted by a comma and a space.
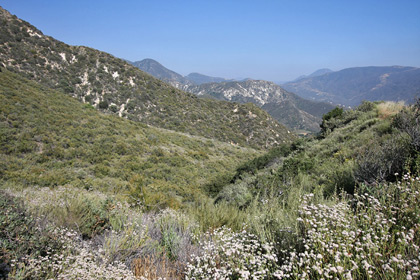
271, 40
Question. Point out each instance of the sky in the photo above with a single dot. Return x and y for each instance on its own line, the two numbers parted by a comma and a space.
270, 40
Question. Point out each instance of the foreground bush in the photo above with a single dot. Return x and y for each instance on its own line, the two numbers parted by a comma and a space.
230, 255
374, 236
76, 261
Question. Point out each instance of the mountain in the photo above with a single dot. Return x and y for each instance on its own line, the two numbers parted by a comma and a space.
318, 72
159, 71
288, 108
114, 86
352, 85
199, 79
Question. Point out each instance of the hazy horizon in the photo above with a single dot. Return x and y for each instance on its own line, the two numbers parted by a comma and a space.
270, 40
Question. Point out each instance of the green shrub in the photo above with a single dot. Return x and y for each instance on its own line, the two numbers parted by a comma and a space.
380, 161
328, 120
236, 194
103, 105
21, 237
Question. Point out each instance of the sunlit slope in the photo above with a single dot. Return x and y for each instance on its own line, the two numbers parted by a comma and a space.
48, 139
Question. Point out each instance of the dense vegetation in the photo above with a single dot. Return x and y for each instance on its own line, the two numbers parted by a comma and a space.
47, 139
116, 87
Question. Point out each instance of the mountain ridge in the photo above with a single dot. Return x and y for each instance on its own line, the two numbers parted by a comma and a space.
351, 86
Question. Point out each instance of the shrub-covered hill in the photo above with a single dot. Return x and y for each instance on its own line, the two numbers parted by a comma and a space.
49, 139
376, 142
113, 85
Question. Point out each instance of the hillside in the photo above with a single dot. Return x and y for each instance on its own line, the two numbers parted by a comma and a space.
353, 85
49, 139
365, 145
114, 86
286, 107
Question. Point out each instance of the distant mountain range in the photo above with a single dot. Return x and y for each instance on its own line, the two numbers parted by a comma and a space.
114, 86
351, 86
159, 71
289, 109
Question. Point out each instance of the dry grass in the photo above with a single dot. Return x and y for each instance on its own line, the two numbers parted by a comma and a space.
388, 109
157, 268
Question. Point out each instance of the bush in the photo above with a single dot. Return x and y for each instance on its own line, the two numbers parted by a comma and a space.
230, 255
380, 161
21, 237
236, 194
408, 121
328, 123
374, 236
103, 104
261, 162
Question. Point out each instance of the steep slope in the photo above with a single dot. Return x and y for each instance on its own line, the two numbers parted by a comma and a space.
114, 86
288, 108
374, 142
50, 139
350, 86
159, 71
